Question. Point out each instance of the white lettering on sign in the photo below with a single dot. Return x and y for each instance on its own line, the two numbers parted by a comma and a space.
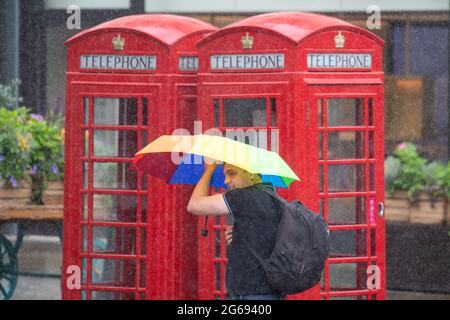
114, 62
248, 61
188, 63
340, 60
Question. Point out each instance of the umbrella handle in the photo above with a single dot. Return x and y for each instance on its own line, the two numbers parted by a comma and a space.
204, 231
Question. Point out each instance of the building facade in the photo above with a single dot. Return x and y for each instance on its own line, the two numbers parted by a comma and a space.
415, 57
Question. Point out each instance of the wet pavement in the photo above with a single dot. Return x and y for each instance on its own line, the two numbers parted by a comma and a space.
48, 288
42, 255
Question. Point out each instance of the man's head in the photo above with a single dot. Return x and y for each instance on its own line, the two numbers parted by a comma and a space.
236, 177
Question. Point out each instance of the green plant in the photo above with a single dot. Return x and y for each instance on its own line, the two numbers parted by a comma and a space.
14, 146
29, 148
407, 171
9, 95
46, 155
29, 145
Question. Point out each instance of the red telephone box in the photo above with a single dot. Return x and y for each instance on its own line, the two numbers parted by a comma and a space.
129, 80
311, 88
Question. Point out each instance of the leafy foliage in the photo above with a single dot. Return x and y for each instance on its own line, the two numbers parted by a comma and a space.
14, 146
407, 171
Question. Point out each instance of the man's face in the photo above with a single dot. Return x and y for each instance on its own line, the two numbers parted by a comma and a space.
235, 177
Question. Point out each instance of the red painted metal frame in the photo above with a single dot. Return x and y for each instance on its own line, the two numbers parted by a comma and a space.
298, 89
376, 195
178, 263
89, 90
167, 268
220, 224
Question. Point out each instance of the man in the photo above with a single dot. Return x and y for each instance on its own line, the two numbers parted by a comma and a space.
256, 218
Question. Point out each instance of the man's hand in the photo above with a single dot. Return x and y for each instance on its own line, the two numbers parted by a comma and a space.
203, 204
229, 235
210, 164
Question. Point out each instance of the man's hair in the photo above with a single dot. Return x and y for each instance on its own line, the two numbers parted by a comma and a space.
258, 174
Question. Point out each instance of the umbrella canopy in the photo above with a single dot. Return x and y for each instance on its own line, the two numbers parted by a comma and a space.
178, 159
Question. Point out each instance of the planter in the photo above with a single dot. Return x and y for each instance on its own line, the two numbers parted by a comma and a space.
21, 195
400, 209
54, 194
15, 196
417, 244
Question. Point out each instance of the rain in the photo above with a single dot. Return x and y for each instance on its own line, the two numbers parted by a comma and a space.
353, 96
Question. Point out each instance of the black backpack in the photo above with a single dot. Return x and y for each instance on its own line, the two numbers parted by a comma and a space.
302, 245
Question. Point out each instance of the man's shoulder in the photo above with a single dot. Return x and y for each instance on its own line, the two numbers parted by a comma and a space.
255, 187
250, 193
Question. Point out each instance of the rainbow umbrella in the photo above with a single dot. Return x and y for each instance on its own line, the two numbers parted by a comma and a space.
178, 159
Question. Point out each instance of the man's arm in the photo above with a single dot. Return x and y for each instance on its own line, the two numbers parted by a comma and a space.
203, 204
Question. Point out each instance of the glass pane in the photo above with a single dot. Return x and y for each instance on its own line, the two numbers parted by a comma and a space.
86, 110
112, 295
345, 112
116, 273
370, 112
216, 113
85, 175
321, 135
86, 143
372, 177
84, 262
273, 112
348, 276
112, 207
371, 151
249, 136
115, 143
84, 238
274, 140
119, 240
245, 112
345, 145
85, 207
346, 210
348, 243
109, 175
143, 241
321, 179
115, 111
373, 241
320, 113
346, 177
322, 207
217, 269
217, 234
142, 275
144, 139
145, 111
143, 209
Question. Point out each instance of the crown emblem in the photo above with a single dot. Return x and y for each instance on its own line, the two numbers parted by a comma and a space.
247, 41
339, 40
118, 42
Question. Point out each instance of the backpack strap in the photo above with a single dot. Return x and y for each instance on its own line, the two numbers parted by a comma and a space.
272, 194
253, 251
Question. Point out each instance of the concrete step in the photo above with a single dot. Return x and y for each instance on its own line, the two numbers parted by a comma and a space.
39, 254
